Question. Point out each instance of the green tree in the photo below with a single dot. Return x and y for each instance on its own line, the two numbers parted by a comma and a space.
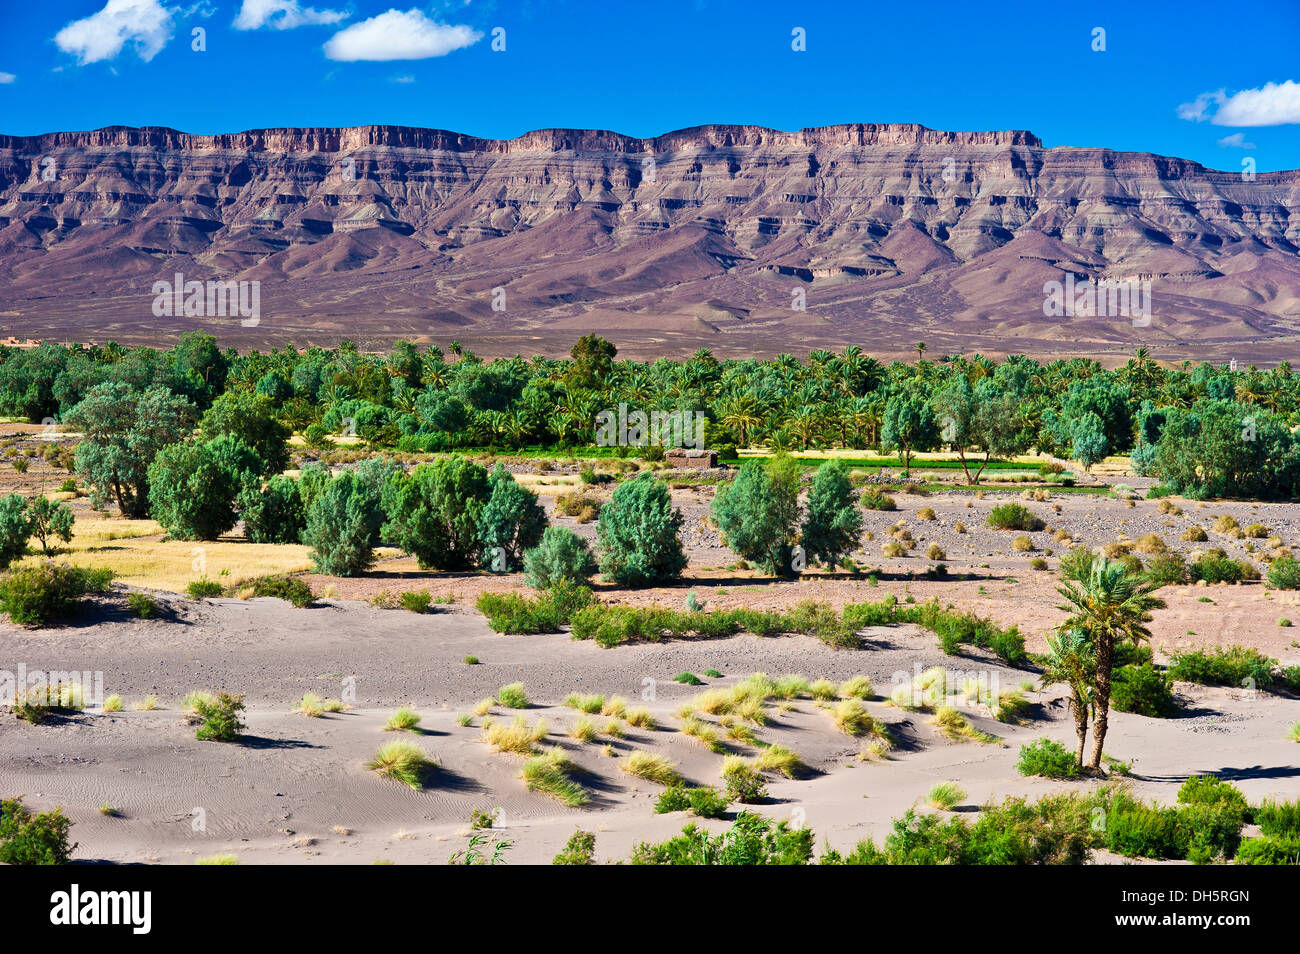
15, 529
123, 429
434, 512
252, 418
193, 486
561, 555
832, 524
758, 513
983, 417
343, 520
638, 534
50, 520
1071, 661
909, 426
511, 519
1225, 449
1088, 441
1111, 604
274, 513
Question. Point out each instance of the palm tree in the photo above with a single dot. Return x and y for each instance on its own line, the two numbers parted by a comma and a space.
741, 415
921, 347
1110, 604
1070, 660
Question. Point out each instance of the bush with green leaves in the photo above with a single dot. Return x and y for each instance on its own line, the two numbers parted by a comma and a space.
273, 513
193, 487
743, 781
1013, 516
560, 555
759, 511
40, 593
123, 429
1224, 666
1269, 850
1047, 758
580, 849
39, 839
1142, 690
553, 608
15, 529
291, 589
202, 589
1212, 790
250, 418
704, 802
434, 512
751, 840
1215, 566
218, 717
1167, 568
1222, 448
638, 534
832, 523
511, 521
1284, 573
49, 521
343, 519
141, 604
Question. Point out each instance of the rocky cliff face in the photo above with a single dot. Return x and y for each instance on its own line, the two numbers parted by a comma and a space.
738, 237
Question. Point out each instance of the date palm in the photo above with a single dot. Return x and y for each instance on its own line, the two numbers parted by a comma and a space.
1070, 661
1109, 604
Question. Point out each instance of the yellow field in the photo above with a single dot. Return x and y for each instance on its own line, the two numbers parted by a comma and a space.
137, 555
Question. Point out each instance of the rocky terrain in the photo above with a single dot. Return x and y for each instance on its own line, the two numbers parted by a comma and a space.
703, 237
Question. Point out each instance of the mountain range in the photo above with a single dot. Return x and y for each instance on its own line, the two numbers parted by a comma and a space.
741, 239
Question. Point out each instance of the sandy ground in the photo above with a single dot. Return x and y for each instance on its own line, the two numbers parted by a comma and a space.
296, 790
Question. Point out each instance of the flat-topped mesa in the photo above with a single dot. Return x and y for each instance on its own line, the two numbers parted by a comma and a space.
351, 138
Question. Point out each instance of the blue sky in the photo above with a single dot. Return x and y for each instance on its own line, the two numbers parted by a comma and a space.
1209, 82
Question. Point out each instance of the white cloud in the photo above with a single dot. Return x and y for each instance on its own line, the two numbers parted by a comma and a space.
283, 15
147, 24
7, 77
1274, 104
399, 36
1236, 141
404, 79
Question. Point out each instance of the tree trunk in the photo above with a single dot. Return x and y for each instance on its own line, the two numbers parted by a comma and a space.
1080, 707
1105, 660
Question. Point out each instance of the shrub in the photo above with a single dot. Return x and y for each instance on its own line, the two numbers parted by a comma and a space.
1231, 666
513, 696
27, 839
1279, 818
343, 521
1269, 851
37, 594
873, 498
313, 706
1212, 790
744, 782
1284, 573
201, 589
404, 719
704, 802
434, 512
511, 520
561, 555
403, 761
777, 758
857, 687
1216, 567
757, 513
832, 524
49, 520
580, 849
1167, 568
283, 587
193, 487
1142, 690
1195, 534
511, 613
638, 535
141, 605
1013, 516
415, 601
751, 840
15, 529
274, 513
1047, 758
218, 717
